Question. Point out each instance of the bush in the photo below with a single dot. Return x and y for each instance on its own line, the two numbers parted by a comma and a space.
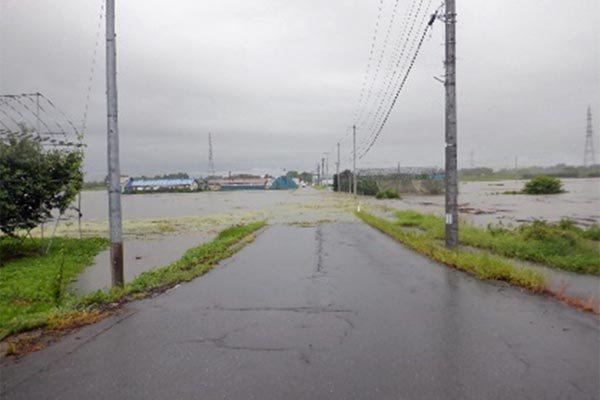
592, 233
387, 194
35, 181
367, 186
543, 185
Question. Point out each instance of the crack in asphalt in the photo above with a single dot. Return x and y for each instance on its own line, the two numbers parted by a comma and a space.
319, 239
68, 353
301, 309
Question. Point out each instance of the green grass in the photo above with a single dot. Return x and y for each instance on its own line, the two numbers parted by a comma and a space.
33, 287
563, 245
387, 194
32, 283
483, 266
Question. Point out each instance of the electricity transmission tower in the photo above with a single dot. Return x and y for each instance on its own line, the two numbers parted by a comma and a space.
211, 161
589, 156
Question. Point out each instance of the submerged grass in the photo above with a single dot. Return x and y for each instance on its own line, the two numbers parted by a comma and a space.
27, 301
483, 266
563, 245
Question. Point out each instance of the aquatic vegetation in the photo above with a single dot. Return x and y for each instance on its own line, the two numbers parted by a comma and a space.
543, 185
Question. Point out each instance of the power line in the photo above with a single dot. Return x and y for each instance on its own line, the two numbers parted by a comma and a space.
410, 67
92, 70
368, 69
408, 47
381, 56
392, 85
410, 17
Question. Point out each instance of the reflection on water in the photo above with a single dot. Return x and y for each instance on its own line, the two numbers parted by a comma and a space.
139, 256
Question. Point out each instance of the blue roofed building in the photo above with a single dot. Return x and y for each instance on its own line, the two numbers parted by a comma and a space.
160, 185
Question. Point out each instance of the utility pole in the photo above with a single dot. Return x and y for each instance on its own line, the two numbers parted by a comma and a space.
354, 159
318, 174
114, 169
589, 156
323, 177
211, 161
337, 169
451, 128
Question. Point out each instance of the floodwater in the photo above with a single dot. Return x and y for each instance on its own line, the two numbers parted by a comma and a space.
176, 205
139, 256
482, 203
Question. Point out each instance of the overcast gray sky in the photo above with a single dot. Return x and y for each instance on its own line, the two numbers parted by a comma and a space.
278, 82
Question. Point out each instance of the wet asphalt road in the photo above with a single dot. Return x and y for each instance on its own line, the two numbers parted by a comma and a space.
331, 312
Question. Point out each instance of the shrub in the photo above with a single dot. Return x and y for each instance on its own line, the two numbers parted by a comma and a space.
35, 181
367, 186
543, 185
387, 194
592, 233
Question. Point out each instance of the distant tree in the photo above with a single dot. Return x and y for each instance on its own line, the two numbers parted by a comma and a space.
306, 177
292, 174
35, 181
176, 175
245, 176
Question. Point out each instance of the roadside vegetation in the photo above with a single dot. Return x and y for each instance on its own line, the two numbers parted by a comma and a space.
32, 286
483, 266
33, 281
563, 245
387, 194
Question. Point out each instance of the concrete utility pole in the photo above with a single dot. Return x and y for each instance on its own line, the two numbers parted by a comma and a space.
589, 154
337, 168
211, 160
323, 177
318, 174
451, 128
354, 159
114, 169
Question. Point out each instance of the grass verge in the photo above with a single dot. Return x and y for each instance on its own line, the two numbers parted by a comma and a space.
195, 262
483, 266
73, 312
563, 245
32, 283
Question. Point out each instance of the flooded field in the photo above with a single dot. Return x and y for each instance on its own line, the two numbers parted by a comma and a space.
482, 203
